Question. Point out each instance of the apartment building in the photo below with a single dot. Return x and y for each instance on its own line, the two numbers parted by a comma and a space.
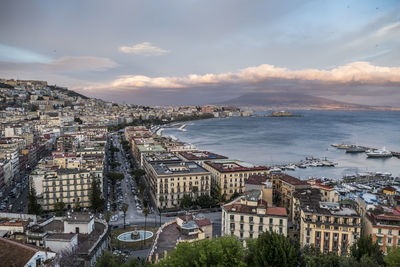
170, 181
231, 176
380, 221
328, 193
329, 227
70, 186
284, 187
249, 216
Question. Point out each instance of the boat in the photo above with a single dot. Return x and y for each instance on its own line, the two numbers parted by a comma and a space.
290, 167
302, 166
341, 146
182, 128
355, 149
379, 153
275, 169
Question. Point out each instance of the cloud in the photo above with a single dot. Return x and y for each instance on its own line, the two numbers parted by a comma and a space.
74, 64
15, 54
356, 72
144, 49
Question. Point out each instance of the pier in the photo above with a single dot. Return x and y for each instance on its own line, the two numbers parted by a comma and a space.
366, 148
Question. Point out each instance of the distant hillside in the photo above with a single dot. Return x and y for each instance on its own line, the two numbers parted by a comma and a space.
68, 92
290, 101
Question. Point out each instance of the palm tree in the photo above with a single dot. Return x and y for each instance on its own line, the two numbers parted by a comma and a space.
145, 213
124, 210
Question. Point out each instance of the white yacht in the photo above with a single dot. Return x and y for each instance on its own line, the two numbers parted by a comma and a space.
379, 153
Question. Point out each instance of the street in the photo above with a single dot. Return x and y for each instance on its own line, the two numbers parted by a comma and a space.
129, 195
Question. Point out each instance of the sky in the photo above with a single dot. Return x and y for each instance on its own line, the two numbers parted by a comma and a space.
205, 51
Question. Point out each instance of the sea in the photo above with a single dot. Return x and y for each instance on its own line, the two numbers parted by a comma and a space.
263, 140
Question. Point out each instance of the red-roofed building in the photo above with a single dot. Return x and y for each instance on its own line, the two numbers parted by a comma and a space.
383, 224
284, 186
249, 216
328, 193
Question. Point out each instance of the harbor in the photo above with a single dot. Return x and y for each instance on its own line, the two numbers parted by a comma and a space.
371, 152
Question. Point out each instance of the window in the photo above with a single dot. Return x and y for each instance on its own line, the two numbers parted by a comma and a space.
260, 228
271, 220
241, 235
270, 228
77, 230
261, 220
390, 232
389, 240
250, 219
280, 230
280, 221
232, 226
379, 240
251, 235
379, 231
241, 218
251, 228
241, 226
232, 217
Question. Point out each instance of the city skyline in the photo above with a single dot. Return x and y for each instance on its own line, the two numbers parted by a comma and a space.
200, 52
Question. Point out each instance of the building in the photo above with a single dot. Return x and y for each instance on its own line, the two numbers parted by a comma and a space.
249, 216
381, 222
328, 193
263, 183
329, 227
81, 233
70, 186
187, 228
170, 181
13, 253
284, 187
200, 156
231, 176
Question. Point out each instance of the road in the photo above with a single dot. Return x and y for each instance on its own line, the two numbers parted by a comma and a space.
134, 216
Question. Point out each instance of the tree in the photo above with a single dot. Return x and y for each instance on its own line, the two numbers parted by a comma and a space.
78, 120
393, 257
223, 251
195, 189
186, 201
33, 205
59, 208
272, 249
234, 196
161, 201
107, 216
124, 210
114, 177
145, 213
205, 201
365, 246
96, 199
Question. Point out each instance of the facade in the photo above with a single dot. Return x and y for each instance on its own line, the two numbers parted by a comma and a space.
70, 186
263, 183
284, 187
328, 193
382, 223
249, 216
329, 227
231, 176
169, 182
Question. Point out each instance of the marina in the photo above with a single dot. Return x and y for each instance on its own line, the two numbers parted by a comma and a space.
371, 152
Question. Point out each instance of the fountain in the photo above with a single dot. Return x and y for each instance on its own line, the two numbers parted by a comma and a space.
135, 236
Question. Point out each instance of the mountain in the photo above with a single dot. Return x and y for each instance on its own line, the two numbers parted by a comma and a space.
290, 101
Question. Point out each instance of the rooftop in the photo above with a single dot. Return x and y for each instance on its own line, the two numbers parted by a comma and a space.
257, 179
181, 167
200, 155
234, 167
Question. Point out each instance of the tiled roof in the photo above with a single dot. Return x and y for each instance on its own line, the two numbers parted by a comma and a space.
257, 179
203, 222
15, 254
277, 211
